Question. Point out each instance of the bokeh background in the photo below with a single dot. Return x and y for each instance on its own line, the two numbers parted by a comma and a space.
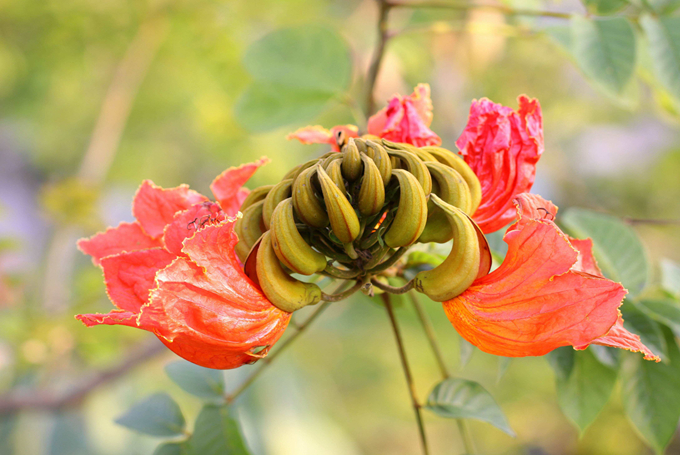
97, 96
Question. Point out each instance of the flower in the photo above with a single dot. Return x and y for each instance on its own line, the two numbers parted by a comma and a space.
405, 119
547, 293
502, 147
174, 272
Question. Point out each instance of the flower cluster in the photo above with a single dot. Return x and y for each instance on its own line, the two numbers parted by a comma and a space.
175, 271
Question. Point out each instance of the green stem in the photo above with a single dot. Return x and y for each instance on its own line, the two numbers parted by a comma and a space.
464, 6
376, 60
407, 371
391, 289
463, 428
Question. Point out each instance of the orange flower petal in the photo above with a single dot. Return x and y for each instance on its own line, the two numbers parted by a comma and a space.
406, 119
227, 186
535, 301
206, 310
115, 317
130, 276
186, 223
125, 237
502, 147
155, 207
320, 135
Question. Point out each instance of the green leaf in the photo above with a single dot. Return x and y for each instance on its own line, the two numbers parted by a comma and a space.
419, 258
583, 394
8, 423
308, 58
266, 106
639, 323
651, 395
173, 448
202, 382
606, 355
617, 248
664, 311
466, 351
463, 399
503, 364
670, 277
561, 360
605, 6
604, 49
157, 415
217, 433
68, 435
663, 38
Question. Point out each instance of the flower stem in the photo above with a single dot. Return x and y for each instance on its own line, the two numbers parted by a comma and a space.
465, 434
376, 60
407, 371
391, 289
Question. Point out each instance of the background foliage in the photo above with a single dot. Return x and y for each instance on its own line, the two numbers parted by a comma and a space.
96, 96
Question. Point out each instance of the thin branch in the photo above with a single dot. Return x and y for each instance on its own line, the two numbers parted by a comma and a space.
407, 371
464, 6
634, 221
18, 400
282, 346
391, 289
429, 332
343, 295
378, 54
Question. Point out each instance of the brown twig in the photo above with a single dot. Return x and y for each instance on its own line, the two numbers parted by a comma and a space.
281, 347
50, 400
464, 6
634, 221
429, 332
378, 54
407, 371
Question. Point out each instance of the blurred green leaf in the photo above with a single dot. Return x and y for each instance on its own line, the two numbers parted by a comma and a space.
157, 415
605, 6
651, 395
606, 355
663, 6
586, 390
670, 277
466, 351
646, 328
604, 49
561, 360
418, 258
463, 399
199, 381
265, 106
665, 311
503, 364
173, 448
308, 58
663, 38
217, 433
8, 423
68, 435
618, 249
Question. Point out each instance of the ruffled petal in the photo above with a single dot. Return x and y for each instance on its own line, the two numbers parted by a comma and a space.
155, 207
227, 186
186, 223
206, 310
125, 237
320, 135
502, 147
130, 276
115, 317
536, 301
406, 119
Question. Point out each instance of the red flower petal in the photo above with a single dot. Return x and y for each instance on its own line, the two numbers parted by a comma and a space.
320, 135
115, 317
154, 207
502, 147
227, 186
130, 276
186, 223
206, 310
535, 301
406, 119
125, 237
618, 337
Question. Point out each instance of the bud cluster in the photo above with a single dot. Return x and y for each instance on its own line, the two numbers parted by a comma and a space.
353, 214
